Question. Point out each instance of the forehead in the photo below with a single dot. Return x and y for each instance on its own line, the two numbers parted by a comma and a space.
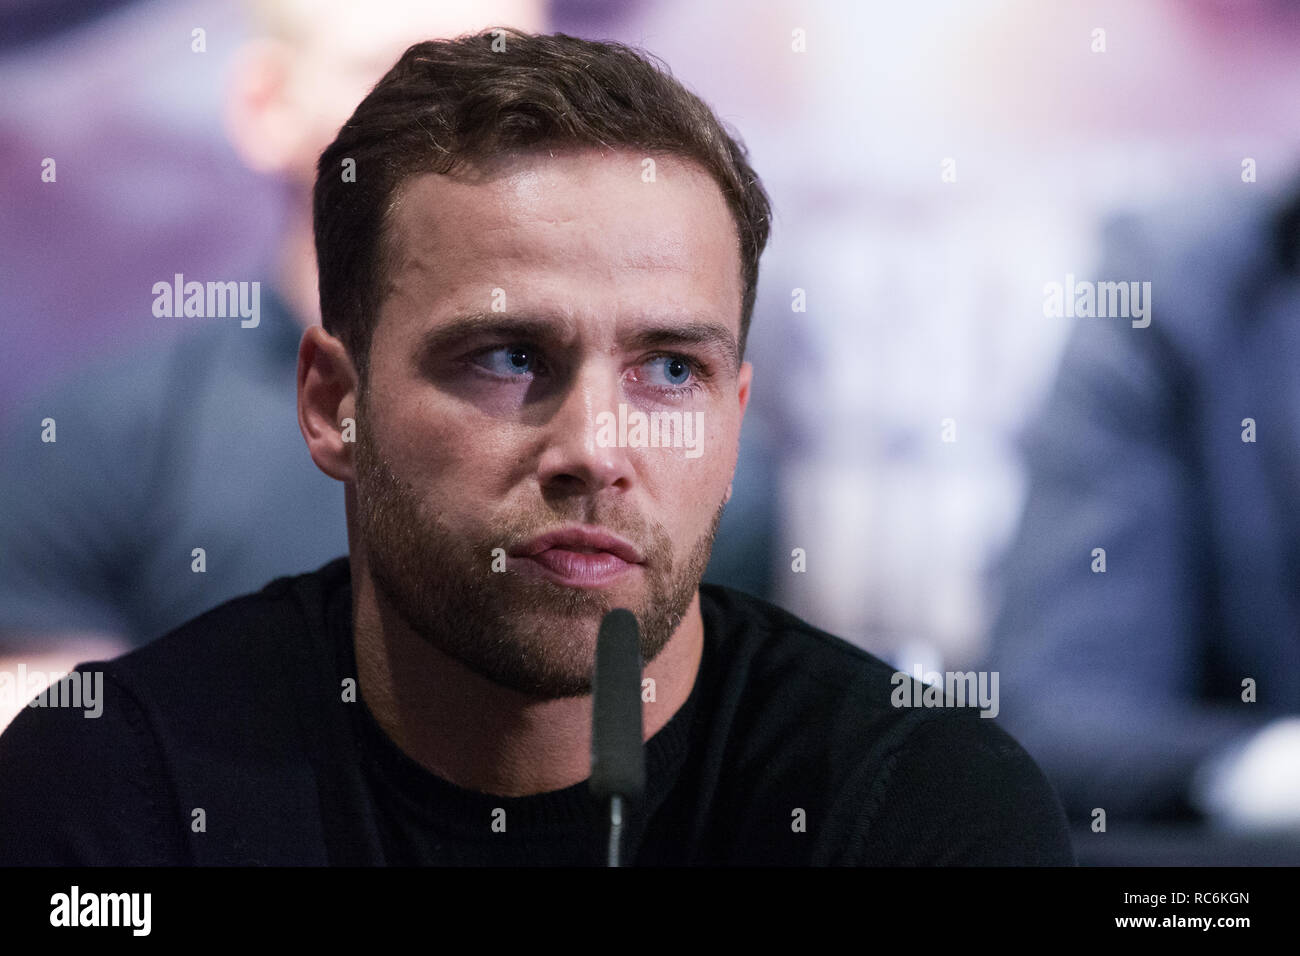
565, 230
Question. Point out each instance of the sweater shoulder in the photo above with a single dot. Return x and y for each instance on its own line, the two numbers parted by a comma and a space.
210, 717
85, 785
233, 684
795, 685
779, 646
820, 724
958, 791
248, 631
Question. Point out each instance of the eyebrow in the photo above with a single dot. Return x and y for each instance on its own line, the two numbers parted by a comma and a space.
708, 334
484, 324
558, 328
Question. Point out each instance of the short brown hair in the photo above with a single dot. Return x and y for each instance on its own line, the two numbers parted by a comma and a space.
448, 103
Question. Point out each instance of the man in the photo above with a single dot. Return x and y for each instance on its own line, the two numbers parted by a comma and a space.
529, 247
191, 444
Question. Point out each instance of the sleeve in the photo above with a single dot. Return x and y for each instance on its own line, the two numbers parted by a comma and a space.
960, 791
1102, 672
79, 790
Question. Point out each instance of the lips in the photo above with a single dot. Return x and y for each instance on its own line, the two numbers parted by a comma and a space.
580, 557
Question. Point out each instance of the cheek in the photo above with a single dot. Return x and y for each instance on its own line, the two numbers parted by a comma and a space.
421, 437
689, 485
715, 465
467, 466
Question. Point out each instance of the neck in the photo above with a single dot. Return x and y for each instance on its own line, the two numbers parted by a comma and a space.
482, 736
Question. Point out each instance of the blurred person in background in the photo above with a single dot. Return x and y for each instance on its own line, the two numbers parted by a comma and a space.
1161, 680
1165, 689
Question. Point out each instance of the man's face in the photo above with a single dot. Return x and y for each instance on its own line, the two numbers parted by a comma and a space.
526, 304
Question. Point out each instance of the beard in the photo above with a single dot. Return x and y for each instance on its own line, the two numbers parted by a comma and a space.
531, 635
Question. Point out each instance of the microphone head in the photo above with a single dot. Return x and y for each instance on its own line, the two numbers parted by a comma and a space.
617, 750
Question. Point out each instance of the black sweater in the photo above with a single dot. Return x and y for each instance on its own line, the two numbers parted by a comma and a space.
230, 742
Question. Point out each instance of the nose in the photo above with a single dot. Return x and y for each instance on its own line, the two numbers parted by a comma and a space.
577, 457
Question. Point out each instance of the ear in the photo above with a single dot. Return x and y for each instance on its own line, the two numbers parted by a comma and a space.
259, 120
327, 402
743, 379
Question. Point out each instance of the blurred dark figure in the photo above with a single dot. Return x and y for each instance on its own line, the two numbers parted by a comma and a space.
1131, 686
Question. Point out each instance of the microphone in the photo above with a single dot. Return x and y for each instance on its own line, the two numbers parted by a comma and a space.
617, 750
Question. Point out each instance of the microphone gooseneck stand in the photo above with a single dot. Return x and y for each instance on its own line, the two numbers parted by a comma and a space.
617, 750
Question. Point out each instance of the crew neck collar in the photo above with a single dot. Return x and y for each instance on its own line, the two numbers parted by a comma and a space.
555, 812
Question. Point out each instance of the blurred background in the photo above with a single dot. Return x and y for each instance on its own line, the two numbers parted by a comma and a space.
948, 452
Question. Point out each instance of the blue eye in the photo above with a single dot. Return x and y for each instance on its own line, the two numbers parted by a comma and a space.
676, 370
509, 360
